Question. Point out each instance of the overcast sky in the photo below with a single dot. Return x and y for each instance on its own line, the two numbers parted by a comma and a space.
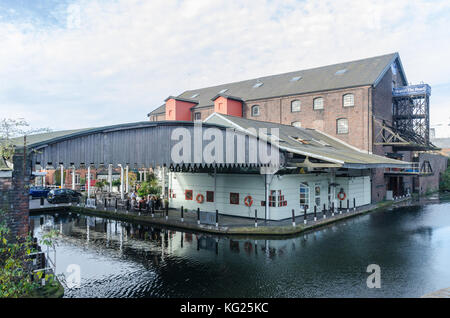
72, 64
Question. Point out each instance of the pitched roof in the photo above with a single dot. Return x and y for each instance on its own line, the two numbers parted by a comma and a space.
311, 143
337, 76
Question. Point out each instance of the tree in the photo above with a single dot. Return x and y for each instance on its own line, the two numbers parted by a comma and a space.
10, 129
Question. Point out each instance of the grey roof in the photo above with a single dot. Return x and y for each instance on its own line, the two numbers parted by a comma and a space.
357, 73
318, 144
160, 110
42, 137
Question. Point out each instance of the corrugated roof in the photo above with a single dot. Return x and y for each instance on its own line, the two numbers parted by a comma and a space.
348, 74
38, 138
315, 143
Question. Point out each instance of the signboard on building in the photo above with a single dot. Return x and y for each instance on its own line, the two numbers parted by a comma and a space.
421, 89
207, 218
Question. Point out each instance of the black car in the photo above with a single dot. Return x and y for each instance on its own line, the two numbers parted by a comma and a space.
63, 196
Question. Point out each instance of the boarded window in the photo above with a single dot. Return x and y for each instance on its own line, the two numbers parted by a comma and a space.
295, 106
209, 196
348, 100
188, 194
342, 126
318, 103
234, 198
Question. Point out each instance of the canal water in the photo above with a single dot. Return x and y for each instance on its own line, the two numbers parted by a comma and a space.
410, 244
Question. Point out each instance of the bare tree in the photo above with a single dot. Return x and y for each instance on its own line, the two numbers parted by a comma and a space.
11, 129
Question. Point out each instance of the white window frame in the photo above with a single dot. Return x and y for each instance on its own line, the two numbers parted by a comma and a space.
346, 102
299, 106
338, 128
253, 111
306, 193
316, 107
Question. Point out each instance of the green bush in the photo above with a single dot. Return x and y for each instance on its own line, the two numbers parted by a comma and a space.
147, 188
444, 184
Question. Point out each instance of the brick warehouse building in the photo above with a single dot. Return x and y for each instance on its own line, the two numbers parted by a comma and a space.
352, 101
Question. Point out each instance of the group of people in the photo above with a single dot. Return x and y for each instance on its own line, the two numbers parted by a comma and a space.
141, 203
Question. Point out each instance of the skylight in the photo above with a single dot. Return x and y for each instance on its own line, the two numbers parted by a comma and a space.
195, 95
223, 90
258, 84
341, 71
296, 78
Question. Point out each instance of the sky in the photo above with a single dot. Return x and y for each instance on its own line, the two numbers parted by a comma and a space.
72, 63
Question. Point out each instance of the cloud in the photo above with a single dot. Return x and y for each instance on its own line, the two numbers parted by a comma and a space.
91, 63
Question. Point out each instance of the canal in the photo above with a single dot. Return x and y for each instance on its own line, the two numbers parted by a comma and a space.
410, 244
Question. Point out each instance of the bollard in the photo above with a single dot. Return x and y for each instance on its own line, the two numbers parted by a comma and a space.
304, 214
348, 205
104, 208
256, 218
293, 218
340, 206
115, 206
315, 213
332, 209
182, 214
167, 214
128, 205
324, 211
198, 216
354, 204
42, 202
217, 218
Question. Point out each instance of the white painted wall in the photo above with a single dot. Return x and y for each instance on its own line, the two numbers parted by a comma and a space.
253, 185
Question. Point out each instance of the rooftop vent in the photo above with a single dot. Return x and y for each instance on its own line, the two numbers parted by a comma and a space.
223, 90
296, 78
195, 95
258, 84
341, 72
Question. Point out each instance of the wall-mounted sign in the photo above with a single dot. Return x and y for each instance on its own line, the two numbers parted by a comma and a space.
421, 89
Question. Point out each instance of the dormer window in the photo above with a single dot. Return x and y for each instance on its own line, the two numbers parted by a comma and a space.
255, 110
340, 72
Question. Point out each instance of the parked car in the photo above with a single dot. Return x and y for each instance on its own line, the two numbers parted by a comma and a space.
39, 192
63, 196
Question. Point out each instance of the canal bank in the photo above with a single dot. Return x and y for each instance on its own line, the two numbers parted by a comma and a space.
227, 225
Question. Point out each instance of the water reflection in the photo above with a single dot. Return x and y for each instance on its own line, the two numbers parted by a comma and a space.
120, 259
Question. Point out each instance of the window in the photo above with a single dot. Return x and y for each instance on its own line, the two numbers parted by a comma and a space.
197, 116
209, 196
77, 178
340, 72
304, 195
296, 78
257, 84
348, 100
318, 103
188, 195
295, 106
234, 198
342, 126
195, 95
255, 111
296, 124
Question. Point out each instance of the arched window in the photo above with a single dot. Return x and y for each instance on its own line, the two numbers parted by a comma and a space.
318, 103
255, 110
342, 126
295, 106
296, 124
348, 100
